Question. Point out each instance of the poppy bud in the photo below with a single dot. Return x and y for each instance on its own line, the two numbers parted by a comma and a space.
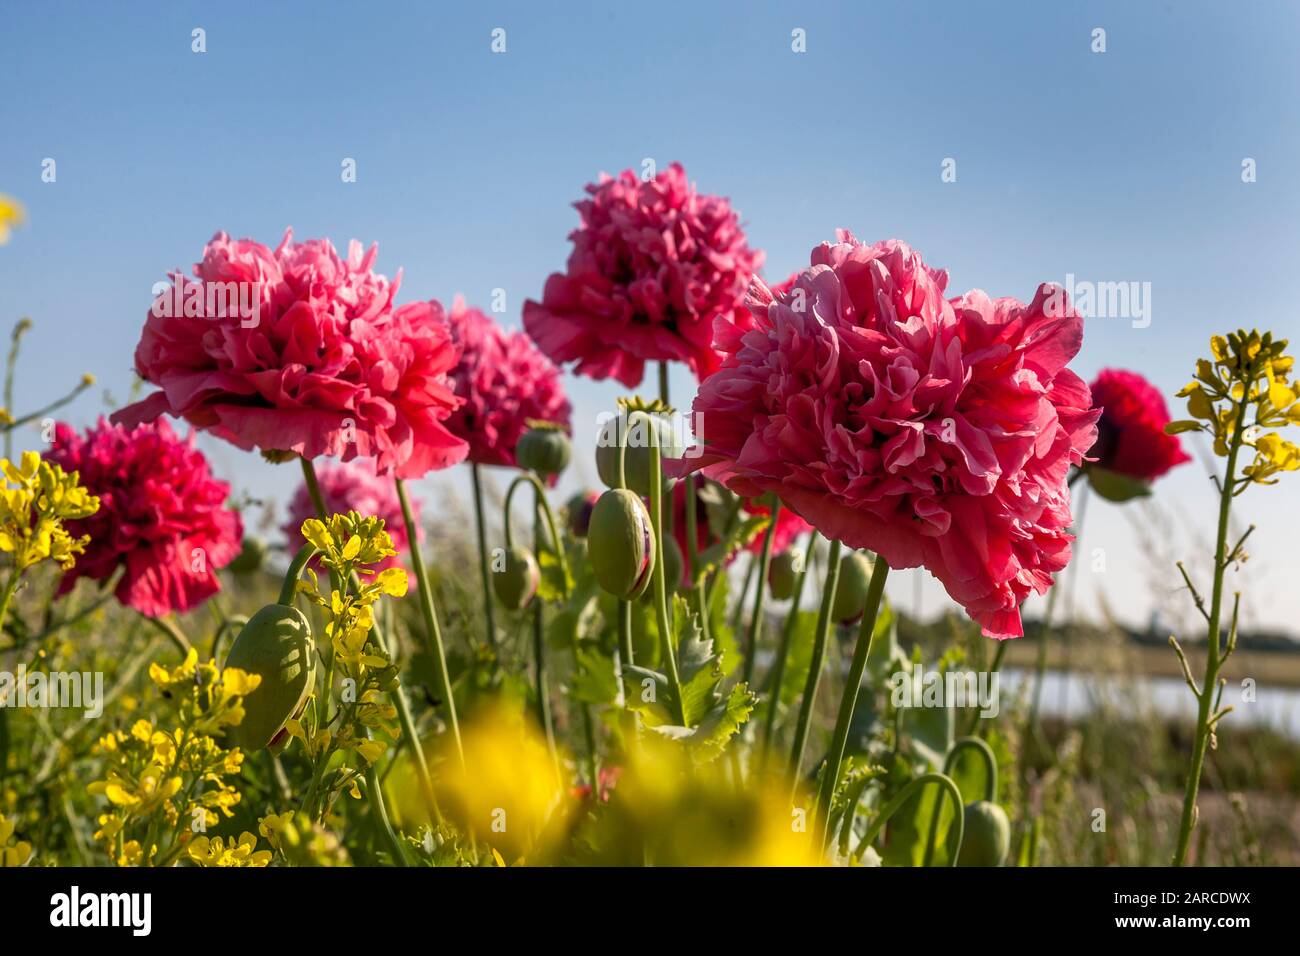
579, 510
851, 593
637, 458
986, 835
517, 582
276, 644
544, 448
251, 557
621, 544
781, 575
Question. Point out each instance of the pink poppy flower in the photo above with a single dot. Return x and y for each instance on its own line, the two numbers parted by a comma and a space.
934, 433
1131, 437
653, 265
297, 350
354, 487
503, 382
162, 515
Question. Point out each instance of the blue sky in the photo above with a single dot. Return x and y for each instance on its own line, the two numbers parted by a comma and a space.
1115, 166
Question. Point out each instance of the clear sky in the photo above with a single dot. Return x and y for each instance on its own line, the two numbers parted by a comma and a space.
1122, 166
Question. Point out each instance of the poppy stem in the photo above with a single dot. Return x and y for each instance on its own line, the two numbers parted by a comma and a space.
777, 675
432, 632
849, 700
662, 617
483, 561
756, 621
820, 639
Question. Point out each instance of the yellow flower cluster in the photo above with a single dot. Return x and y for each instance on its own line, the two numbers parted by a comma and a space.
37, 497
12, 853
348, 545
1247, 372
215, 852
168, 784
349, 542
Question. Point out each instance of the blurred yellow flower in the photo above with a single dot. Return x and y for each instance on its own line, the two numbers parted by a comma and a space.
14, 853
508, 793
668, 811
11, 214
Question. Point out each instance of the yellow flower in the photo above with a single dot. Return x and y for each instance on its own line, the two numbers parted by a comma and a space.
214, 852
509, 791
32, 512
11, 214
15, 854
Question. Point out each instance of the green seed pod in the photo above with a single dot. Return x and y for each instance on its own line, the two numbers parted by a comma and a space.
637, 460
251, 557
621, 544
277, 645
516, 583
781, 575
851, 593
544, 448
986, 839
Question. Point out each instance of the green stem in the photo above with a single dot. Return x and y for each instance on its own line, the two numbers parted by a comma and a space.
658, 582
1213, 659
900, 798
432, 631
483, 561
849, 701
693, 557
777, 677
11, 585
820, 639
290, 586
756, 622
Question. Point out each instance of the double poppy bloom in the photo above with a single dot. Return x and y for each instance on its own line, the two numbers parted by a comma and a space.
654, 264
937, 433
296, 350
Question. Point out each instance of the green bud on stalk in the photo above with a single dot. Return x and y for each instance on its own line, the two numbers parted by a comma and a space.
276, 644
851, 594
544, 448
516, 584
251, 557
987, 837
620, 542
637, 455
781, 575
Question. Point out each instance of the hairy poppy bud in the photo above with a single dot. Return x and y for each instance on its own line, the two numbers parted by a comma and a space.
621, 544
637, 460
276, 644
579, 510
517, 582
251, 557
986, 837
781, 575
851, 593
544, 448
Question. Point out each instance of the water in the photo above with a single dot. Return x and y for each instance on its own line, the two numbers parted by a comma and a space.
1069, 694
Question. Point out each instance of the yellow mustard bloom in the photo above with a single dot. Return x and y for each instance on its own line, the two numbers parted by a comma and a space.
215, 852
11, 214
33, 510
